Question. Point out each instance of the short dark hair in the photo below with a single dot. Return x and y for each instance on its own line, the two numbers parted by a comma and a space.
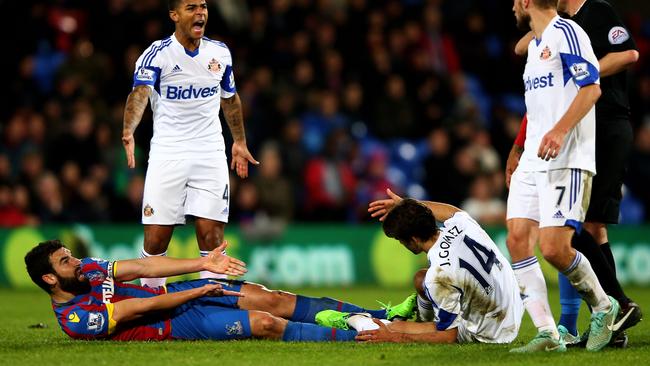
546, 4
410, 219
38, 262
173, 4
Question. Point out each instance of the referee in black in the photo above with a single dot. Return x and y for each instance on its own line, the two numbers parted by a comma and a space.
616, 50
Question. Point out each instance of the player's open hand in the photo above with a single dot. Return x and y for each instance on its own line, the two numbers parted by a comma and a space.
383, 334
240, 159
129, 147
218, 262
381, 207
551, 144
216, 290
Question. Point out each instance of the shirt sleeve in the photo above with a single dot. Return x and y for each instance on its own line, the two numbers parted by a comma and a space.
92, 321
228, 88
607, 31
445, 298
579, 63
521, 136
148, 67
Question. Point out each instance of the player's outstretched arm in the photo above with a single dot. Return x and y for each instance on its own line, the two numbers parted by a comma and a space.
421, 332
134, 308
441, 211
552, 142
615, 62
381, 207
136, 103
232, 110
152, 267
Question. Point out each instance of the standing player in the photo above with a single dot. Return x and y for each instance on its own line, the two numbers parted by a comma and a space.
552, 183
469, 289
615, 50
91, 301
186, 77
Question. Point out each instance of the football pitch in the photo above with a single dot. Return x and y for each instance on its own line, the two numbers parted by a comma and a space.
22, 345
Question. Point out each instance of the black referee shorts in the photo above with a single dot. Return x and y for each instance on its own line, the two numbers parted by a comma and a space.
614, 139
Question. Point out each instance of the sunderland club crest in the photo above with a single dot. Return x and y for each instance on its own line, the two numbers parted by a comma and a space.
214, 66
546, 54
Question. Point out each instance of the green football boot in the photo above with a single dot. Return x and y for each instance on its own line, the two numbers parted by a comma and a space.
602, 327
543, 342
402, 311
333, 319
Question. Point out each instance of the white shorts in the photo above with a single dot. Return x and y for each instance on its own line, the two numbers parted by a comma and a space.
176, 188
554, 198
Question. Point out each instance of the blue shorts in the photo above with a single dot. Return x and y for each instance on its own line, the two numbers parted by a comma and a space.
217, 318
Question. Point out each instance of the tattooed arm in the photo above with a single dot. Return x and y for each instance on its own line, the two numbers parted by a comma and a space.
232, 110
135, 105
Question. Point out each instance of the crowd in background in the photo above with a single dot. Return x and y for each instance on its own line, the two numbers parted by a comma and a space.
342, 99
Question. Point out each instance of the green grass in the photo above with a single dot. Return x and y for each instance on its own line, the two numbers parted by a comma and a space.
20, 345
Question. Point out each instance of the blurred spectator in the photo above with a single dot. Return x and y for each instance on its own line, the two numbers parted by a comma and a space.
129, 207
329, 181
360, 70
10, 214
482, 204
50, 205
394, 115
274, 191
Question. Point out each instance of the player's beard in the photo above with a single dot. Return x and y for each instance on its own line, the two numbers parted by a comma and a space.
523, 22
73, 285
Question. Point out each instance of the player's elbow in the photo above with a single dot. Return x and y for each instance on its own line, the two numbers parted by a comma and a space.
594, 92
450, 336
631, 56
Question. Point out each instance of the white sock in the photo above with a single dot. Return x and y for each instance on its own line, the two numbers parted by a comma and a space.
584, 280
361, 322
208, 274
534, 294
152, 282
425, 310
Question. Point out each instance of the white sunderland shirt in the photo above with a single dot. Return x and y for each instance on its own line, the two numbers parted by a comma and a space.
471, 284
558, 65
187, 88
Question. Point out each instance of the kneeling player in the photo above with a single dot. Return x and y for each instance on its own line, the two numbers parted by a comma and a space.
91, 301
468, 294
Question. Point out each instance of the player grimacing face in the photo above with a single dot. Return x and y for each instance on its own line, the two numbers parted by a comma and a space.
67, 270
190, 17
523, 18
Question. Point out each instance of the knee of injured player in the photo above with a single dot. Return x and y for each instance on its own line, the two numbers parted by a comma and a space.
265, 325
418, 281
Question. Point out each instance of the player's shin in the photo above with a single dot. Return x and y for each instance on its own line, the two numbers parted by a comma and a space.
305, 332
570, 304
583, 278
534, 294
425, 310
307, 308
152, 282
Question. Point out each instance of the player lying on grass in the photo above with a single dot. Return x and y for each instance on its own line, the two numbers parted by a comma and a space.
468, 294
91, 300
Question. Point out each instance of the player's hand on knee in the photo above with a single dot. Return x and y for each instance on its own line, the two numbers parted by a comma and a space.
381, 207
216, 290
